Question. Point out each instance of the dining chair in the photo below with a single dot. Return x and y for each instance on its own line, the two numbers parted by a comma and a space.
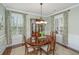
29, 50
51, 46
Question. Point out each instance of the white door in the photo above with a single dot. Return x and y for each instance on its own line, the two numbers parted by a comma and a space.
16, 28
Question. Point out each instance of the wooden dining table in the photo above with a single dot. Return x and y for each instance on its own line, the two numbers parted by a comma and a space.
38, 44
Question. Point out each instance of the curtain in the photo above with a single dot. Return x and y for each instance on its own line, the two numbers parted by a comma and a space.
28, 24
65, 31
52, 24
24, 23
7, 27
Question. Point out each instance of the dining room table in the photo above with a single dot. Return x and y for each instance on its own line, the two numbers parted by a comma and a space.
40, 41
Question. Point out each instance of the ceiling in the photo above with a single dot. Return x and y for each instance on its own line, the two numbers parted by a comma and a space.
48, 8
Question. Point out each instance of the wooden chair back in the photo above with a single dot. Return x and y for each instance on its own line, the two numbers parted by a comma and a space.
51, 46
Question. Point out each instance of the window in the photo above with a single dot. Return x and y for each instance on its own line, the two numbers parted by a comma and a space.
16, 23
59, 22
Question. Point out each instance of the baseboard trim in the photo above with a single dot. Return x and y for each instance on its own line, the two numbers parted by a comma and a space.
17, 45
67, 47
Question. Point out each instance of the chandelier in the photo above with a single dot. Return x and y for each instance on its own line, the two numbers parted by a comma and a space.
41, 21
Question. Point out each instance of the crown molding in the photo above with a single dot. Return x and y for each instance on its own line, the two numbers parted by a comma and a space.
64, 10
25, 12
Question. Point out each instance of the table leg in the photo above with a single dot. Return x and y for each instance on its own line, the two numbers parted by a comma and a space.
40, 51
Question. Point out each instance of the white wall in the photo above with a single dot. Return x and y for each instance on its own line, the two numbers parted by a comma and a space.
73, 28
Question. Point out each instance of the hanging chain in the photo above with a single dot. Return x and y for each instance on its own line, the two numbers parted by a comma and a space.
41, 9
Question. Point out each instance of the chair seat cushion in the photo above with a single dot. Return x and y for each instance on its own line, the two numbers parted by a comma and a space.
45, 47
30, 49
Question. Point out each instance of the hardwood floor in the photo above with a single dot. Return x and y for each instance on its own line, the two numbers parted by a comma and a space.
19, 49
68, 47
7, 51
